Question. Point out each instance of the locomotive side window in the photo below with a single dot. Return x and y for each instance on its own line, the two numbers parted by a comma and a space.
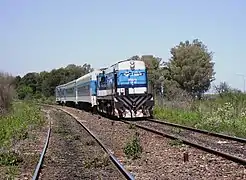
103, 79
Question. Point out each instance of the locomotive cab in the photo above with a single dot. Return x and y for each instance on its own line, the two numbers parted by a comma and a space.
123, 90
101, 81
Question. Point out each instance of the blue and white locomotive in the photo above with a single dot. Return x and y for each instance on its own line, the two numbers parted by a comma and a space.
120, 90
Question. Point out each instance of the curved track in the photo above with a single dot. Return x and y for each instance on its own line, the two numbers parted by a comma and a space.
39, 165
115, 161
195, 137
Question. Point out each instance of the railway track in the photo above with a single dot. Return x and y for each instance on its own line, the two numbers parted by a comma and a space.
229, 147
113, 159
41, 159
234, 138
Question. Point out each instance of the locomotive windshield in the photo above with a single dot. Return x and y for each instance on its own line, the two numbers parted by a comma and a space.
102, 81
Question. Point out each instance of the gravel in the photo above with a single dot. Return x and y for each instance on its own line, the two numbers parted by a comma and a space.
74, 154
161, 158
228, 146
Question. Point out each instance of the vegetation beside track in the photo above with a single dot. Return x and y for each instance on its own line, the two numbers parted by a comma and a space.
222, 114
15, 125
17, 120
133, 148
45, 100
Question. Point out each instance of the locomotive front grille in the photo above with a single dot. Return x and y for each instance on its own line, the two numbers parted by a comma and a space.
134, 102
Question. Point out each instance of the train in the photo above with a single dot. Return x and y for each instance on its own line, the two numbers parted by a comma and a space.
120, 90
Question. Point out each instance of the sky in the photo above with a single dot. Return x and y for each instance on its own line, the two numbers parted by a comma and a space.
46, 34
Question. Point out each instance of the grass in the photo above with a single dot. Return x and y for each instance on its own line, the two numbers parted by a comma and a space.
176, 143
11, 172
10, 159
15, 126
97, 162
224, 115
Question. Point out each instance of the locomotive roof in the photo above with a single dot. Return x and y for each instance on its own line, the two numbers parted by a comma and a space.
125, 61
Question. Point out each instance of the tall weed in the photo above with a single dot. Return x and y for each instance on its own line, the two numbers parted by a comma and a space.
133, 148
6, 92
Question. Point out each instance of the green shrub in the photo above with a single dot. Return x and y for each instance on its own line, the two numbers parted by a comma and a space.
133, 148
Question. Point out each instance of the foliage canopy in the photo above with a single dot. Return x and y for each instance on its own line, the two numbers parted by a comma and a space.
191, 67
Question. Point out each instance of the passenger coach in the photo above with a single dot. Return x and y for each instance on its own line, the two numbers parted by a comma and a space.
86, 90
80, 92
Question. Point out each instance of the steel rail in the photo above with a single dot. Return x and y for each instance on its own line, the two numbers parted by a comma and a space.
39, 165
204, 148
120, 167
224, 136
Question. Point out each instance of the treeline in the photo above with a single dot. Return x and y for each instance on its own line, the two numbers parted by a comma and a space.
37, 85
189, 72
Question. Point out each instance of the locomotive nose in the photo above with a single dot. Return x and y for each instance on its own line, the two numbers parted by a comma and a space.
133, 106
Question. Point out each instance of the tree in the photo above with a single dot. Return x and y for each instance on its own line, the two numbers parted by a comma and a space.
155, 72
16, 81
222, 88
191, 67
31, 80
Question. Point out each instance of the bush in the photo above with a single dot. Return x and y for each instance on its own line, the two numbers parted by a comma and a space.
133, 148
6, 92
24, 92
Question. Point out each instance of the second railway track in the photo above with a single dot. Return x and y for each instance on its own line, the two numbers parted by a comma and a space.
226, 146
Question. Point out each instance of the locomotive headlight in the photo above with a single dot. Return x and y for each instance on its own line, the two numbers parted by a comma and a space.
132, 64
